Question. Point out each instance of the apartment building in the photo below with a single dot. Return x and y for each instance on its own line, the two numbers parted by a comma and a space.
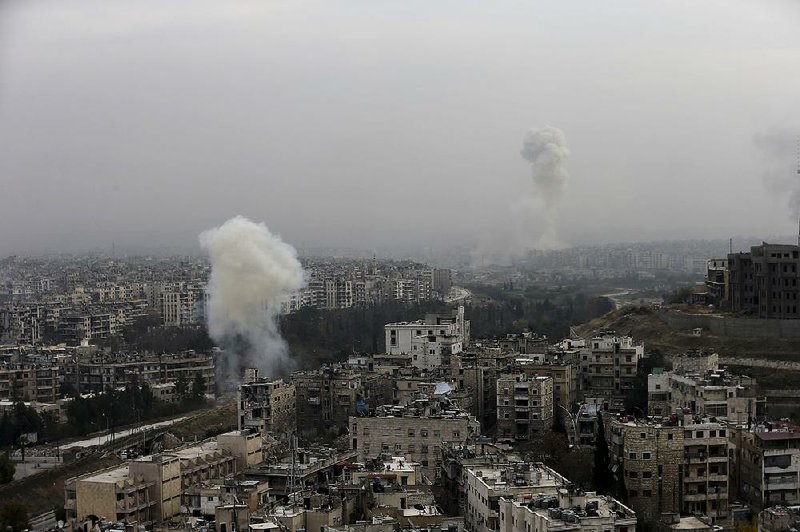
326, 398
486, 485
94, 371
566, 509
524, 405
417, 432
767, 464
26, 381
267, 406
561, 367
763, 282
430, 342
608, 367
672, 466
715, 393
151, 488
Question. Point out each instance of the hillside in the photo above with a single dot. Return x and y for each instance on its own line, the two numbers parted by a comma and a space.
643, 323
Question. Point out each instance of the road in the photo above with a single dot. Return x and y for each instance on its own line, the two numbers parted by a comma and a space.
106, 438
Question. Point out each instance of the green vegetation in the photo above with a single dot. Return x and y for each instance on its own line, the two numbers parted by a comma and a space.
14, 517
636, 399
496, 311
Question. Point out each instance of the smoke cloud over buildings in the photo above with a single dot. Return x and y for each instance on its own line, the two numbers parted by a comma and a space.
546, 149
252, 272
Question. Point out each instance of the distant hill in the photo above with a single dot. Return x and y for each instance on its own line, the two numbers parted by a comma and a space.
643, 323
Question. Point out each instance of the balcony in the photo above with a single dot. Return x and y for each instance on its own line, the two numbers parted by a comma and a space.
785, 485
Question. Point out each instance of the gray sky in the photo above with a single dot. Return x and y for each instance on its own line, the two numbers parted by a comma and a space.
373, 123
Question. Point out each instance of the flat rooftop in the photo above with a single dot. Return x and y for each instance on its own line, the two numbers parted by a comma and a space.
112, 476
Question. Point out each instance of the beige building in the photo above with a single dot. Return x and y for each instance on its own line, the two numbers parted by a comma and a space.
267, 406
416, 432
767, 465
25, 381
524, 406
151, 488
565, 510
487, 484
608, 366
713, 393
668, 468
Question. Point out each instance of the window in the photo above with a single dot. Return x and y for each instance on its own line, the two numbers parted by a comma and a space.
647, 474
437, 433
643, 435
411, 433
423, 433
647, 493
632, 456
669, 436
645, 456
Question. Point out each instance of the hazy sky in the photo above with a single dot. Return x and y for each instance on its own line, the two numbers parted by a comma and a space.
373, 123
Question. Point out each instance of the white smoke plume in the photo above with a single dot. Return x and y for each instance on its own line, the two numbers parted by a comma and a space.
252, 272
546, 149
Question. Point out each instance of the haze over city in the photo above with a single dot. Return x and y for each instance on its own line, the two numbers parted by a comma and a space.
371, 124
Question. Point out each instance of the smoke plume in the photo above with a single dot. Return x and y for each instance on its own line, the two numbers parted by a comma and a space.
252, 272
546, 149
778, 150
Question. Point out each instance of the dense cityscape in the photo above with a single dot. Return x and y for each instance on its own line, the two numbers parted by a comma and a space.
104, 358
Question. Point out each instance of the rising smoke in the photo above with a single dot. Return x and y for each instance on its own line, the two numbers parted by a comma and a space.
252, 273
779, 152
546, 149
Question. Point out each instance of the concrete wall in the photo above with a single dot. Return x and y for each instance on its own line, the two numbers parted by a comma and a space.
733, 327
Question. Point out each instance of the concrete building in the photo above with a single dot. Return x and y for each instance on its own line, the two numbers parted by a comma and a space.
417, 431
524, 406
672, 466
717, 280
608, 367
486, 485
430, 342
150, 489
326, 398
25, 381
561, 367
267, 406
767, 464
567, 509
715, 393
763, 282
95, 371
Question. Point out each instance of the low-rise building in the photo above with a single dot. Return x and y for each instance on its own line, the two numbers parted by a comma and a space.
567, 509
486, 485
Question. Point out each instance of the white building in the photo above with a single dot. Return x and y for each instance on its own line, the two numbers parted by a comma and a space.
429, 342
